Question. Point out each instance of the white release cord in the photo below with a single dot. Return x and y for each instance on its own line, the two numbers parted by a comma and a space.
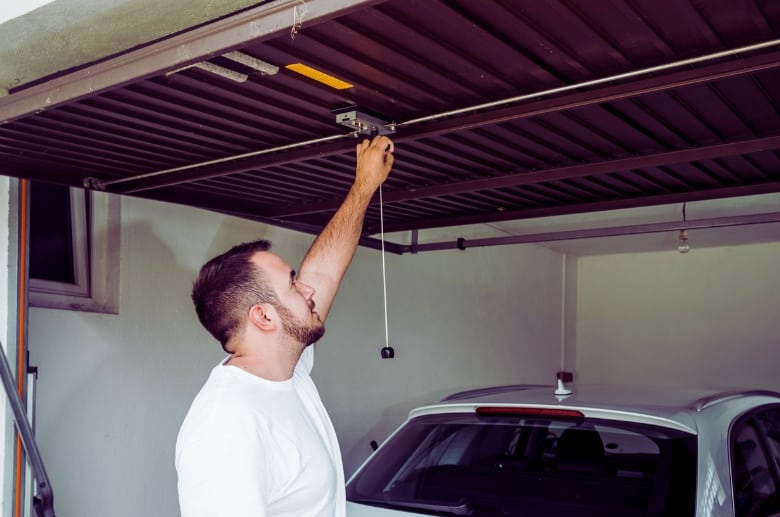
384, 274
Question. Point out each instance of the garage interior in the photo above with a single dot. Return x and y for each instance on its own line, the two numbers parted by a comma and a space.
549, 155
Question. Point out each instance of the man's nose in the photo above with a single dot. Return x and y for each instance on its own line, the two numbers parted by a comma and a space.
306, 290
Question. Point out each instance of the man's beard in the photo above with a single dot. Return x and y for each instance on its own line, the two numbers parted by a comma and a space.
300, 332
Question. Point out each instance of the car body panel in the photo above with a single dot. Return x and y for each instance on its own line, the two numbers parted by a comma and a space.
715, 497
362, 510
706, 413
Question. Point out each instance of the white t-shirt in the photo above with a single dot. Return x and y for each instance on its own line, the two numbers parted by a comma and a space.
250, 447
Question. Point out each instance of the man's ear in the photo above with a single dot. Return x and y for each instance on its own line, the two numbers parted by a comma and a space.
263, 316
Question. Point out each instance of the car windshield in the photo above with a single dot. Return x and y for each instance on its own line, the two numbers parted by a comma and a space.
465, 464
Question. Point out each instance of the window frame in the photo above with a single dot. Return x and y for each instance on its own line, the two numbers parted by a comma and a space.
95, 218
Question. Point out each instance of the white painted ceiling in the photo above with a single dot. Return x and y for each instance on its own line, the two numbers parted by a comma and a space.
39, 40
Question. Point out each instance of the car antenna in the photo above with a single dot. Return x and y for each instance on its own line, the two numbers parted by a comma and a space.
561, 390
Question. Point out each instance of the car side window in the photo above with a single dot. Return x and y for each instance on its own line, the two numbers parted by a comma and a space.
754, 477
769, 422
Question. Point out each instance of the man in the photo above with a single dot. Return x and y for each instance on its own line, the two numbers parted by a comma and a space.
257, 440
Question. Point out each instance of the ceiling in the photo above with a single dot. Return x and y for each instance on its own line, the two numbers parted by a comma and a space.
511, 118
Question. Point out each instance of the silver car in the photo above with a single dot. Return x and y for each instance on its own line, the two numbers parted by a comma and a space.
582, 451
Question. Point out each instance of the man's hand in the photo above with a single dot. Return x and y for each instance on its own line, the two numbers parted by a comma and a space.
374, 161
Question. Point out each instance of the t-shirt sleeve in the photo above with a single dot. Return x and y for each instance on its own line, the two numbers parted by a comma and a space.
221, 470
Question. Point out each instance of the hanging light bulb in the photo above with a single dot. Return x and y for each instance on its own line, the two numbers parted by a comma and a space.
683, 246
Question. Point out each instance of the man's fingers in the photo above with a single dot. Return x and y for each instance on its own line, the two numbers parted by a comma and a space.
384, 143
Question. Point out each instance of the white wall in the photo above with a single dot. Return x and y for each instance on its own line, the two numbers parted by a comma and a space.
5, 335
113, 389
709, 317
457, 319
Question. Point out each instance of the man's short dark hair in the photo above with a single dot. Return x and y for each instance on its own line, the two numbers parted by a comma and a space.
227, 286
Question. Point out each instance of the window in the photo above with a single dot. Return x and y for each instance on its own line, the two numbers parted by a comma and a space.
754, 478
74, 248
58, 240
485, 466
769, 421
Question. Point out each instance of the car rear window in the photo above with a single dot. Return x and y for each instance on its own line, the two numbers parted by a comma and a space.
465, 464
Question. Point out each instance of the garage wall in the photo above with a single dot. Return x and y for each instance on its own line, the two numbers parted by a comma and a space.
709, 317
6, 330
113, 389
457, 319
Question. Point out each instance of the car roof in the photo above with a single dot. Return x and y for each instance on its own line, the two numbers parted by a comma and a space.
670, 406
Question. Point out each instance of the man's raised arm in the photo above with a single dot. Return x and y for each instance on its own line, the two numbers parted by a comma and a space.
330, 254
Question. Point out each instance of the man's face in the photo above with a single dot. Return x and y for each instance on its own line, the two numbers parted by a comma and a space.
295, 306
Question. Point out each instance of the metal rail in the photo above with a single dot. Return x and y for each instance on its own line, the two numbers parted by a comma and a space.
590, 233
44, 503
596, 82
101, 185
